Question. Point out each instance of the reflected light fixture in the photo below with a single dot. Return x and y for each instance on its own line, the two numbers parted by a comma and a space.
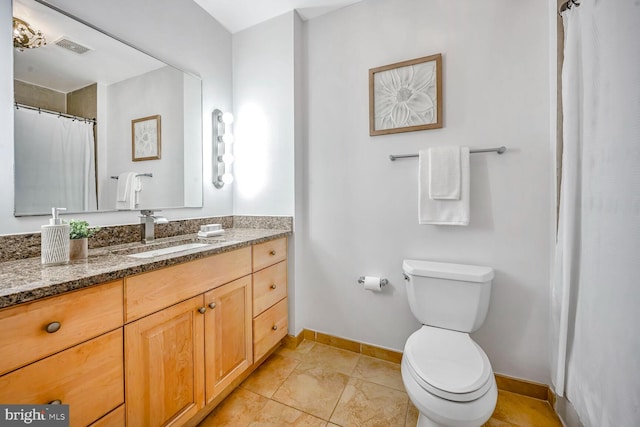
222, 140
25, 37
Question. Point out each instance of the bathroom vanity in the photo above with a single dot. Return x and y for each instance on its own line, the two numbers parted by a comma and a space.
159, 345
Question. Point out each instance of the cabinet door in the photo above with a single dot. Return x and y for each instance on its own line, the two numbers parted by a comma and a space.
228, 344
164, 365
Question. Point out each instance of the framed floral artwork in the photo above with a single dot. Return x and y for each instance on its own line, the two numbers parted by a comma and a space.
145, 138
406, 96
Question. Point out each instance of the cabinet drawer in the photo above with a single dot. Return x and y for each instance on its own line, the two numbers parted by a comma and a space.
115, 418
269, 328
269, 287
82, 315
269, 253
150, 292
87, 377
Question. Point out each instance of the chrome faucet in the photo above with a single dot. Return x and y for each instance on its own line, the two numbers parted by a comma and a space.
148, 225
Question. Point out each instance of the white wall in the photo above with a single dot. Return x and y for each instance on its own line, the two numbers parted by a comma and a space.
176, 31
263, 98
360, 209
136, 98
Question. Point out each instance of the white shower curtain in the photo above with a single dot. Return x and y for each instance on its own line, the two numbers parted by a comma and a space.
596, 289
54, 163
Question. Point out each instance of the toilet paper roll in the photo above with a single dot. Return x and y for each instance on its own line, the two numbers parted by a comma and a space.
372, 283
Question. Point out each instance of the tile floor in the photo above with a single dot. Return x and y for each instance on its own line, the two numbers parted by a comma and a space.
319, 385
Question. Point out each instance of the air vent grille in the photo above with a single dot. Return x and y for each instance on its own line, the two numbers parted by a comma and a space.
72, 46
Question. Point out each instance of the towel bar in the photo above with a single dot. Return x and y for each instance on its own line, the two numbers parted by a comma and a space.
498, 150
150, 175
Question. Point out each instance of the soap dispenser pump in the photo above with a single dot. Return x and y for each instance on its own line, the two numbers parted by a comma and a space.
54, 248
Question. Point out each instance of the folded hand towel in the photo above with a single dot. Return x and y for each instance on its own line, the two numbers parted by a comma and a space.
444, 173
126, 192
443, 212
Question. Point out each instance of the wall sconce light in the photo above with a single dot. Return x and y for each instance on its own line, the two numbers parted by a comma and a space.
25, 37
222, 140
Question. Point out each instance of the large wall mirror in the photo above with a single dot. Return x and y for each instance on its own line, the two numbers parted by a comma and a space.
90, 109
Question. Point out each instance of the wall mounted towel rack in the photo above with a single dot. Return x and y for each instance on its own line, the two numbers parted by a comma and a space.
150, 175
498, 150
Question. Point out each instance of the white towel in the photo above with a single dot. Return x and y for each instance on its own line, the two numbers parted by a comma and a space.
443, 212
126, 192
444, 173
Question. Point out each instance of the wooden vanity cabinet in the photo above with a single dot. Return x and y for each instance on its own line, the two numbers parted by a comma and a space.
188, 333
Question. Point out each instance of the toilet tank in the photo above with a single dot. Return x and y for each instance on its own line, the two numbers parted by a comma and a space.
449, 296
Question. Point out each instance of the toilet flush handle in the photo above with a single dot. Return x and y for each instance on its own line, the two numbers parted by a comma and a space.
406, 277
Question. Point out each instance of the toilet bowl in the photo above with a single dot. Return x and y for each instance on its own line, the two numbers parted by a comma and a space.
448, 378
447, 375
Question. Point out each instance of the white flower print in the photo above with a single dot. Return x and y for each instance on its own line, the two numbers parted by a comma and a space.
405, 96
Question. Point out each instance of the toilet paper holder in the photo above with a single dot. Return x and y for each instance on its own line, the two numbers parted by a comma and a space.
383, 282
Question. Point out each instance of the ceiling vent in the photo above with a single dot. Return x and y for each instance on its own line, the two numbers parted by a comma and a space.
72, 46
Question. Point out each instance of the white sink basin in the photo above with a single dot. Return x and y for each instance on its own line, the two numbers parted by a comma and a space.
169, 250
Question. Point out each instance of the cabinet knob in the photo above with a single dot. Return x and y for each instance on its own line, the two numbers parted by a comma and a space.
55, 402
53, 327
212, 305
272, 253
201, 310
275, 327
273, 286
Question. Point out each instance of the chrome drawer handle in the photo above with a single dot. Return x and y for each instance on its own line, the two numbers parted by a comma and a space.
272, 253
212, 305
201, 310
53, 327
275, 327
273, 286
55, 402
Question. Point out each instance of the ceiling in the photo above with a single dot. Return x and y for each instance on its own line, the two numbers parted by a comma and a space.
237, 15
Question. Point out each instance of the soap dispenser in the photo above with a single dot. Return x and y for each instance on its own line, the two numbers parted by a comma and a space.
55, 240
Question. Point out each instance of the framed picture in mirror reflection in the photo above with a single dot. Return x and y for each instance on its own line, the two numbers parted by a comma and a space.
146, 136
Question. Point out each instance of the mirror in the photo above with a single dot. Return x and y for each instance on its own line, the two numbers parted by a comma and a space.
89, 109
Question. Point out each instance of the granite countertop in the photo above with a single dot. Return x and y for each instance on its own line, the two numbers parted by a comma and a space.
28, 280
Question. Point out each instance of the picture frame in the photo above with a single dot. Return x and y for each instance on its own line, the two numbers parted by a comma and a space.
406, 96
146, 138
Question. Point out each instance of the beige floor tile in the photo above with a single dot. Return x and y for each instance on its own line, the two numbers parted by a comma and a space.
497, 423
367, 404
313, 390
276, 414
239, 409
268, 377
335, 359
412, 415
379, 372
524, 411
297, 353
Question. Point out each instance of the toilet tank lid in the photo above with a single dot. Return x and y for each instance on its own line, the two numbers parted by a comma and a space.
443, 270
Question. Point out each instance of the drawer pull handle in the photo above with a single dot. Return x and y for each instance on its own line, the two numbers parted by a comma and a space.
53, 327
212, 305
273, 286
272, 253
275, 327
201, 310
55, 402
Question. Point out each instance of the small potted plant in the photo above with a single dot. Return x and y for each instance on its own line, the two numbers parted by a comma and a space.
79, 235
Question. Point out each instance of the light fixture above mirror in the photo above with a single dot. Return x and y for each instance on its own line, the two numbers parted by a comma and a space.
25, 37
222, 140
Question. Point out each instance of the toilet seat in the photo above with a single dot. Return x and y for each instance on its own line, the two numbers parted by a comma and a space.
448, 364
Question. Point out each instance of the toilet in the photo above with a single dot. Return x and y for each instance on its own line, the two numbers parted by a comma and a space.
447, 376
